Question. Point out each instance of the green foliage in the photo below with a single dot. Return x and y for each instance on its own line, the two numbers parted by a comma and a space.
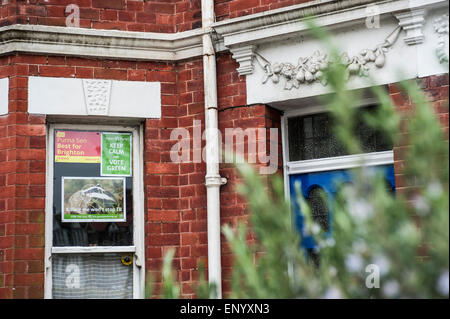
405, 238
170, 290
204, 289
271, 275
271, 279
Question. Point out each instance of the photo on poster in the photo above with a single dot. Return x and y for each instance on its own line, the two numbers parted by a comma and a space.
93, 199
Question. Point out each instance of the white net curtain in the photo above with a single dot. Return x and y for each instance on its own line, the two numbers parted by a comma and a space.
91, 276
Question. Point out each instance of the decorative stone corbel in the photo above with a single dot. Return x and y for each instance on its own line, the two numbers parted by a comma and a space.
97, 95
441, 28
244, 56
412, 22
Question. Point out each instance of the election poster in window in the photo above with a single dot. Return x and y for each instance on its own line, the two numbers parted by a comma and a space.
77, 147
93, 199
116, 154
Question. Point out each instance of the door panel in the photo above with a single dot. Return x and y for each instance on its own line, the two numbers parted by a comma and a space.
328, 182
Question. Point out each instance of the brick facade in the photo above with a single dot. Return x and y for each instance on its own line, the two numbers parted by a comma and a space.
435, 89
229, 9
130, 15
175, 195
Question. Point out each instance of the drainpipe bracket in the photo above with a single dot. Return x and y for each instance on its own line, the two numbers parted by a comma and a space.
217, 180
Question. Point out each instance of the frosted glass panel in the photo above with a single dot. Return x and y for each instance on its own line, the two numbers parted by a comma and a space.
312, 137
318, 206
86, 276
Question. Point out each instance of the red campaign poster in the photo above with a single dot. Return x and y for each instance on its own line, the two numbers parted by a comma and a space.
77, 147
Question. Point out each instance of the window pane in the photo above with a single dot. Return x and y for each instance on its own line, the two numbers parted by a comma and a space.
318, 206
85, 276
294, 138
312, 137
79, 187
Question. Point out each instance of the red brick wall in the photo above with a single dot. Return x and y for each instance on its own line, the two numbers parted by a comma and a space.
128, 15
175, 198
436, 89
176, 195
188, 15
228, 9
6, 195
234, 208
231, 87
175, 192
22, 189
23, 153
131, 15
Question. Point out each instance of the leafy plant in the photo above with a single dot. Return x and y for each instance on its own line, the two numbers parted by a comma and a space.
382, 245
402, 239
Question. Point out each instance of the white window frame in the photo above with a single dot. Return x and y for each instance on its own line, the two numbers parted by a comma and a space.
328, 163
138, 210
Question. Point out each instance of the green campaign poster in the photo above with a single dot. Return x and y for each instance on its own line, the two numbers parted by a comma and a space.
116, 154
93, 199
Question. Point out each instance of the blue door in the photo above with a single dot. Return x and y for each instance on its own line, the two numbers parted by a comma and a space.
313, 184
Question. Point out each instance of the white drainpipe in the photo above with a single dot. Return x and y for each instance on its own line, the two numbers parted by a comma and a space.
213, 181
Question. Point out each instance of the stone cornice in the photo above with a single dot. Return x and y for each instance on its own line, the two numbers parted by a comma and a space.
243, 35
287, 22
233, 34
276, 18
100, 43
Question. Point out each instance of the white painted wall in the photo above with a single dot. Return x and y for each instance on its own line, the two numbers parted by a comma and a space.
136, 99
4, 89
66, 96
402, 61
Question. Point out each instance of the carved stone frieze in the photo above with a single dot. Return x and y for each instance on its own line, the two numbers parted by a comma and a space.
310, 69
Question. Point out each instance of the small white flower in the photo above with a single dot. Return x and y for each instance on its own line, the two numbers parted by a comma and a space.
434, 189
333, 271
315, 229
330, 242
333, 293
327, 242
421, 205
360, 209
368, 172
359, 246
391, 288
408, 232
348, 191
442, 284
383, 264
354, 263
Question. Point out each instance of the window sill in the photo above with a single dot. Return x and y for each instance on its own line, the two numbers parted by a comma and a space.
92, 249
342, 162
